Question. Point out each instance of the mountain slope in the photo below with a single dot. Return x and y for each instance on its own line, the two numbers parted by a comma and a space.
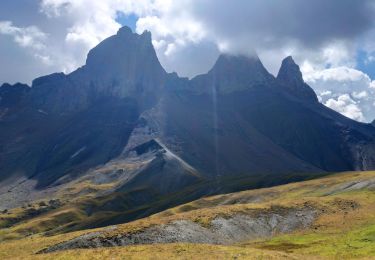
262, 125
330, 217
336, 207
119, 138
81, 107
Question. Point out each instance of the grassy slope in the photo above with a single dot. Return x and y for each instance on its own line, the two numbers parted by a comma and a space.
344, 229
82, 206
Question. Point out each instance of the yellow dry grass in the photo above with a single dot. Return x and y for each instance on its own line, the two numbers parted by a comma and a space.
345, 228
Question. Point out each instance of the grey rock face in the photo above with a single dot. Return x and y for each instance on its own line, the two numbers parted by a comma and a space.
233, 73
229, 230
291, 79
124, 65
11, 95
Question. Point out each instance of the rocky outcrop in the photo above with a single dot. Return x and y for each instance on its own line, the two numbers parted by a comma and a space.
133, 69
233, 73
291, 79
124, 65
221, 230
11, 95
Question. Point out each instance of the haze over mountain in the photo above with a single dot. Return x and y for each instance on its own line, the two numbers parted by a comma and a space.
121, 119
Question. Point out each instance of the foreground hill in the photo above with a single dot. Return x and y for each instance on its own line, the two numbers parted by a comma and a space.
330, 217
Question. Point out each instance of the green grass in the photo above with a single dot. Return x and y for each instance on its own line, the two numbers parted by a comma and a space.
344, 229
359, 242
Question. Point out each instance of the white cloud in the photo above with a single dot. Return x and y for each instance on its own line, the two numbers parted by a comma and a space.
182, 27
28, 37
360, 95
179, 39
346, 106
346, 90
343, 77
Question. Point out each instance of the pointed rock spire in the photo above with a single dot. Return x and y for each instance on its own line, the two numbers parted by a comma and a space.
291, 78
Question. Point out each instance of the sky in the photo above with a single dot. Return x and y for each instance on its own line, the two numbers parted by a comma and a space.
333, 41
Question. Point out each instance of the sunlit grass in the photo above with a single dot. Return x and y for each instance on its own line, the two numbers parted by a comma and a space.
344, 229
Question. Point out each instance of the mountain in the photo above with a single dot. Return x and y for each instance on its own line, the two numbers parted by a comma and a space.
123, 66
120, 138
291, 79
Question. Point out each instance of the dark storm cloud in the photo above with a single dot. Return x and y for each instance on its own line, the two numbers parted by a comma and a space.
271, 22
275, 26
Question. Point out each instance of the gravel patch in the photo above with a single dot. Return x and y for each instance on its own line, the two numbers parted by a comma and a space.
222, 230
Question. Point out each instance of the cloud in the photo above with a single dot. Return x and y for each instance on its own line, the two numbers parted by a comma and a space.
324, 36
271, 23
346, 90
182, 27
322, 30
27, 37
346, 106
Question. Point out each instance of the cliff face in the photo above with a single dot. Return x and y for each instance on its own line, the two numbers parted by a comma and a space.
123, 66
233, 73
291, 79
12, 95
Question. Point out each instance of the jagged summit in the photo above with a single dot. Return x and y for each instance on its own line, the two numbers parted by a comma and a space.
17, 85
290, 71
124, 30
11, 95
123, 65
241, 62
235, 73
124, 52
291, 78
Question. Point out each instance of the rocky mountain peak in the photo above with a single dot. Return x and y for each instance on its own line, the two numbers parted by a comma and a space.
123, 65
238, 72
290, 77
290, 71
10, 95
125, 30
232, 63
124, 52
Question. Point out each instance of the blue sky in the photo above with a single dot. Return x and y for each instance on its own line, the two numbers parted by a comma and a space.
129, 20
331, 40
363, 64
